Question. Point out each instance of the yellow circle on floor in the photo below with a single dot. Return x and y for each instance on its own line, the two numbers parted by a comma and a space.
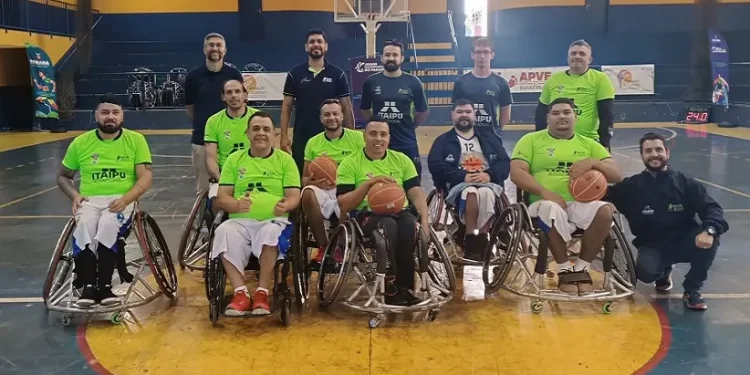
499, 335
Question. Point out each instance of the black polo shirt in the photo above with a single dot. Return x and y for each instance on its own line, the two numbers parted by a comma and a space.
203, 91
309, 90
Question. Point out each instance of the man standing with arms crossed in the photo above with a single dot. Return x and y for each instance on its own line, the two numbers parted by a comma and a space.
203, 87
590, 89
398, 99
489, 92
307, 86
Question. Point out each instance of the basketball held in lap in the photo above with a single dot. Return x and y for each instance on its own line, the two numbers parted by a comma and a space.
386, 198
590, 186
323, 167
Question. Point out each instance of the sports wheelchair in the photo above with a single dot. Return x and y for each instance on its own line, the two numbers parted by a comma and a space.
446, 218
520, 243
194, 240
350, 250
215, 278
60, 294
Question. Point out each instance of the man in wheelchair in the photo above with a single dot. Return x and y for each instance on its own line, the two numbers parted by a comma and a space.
226, 131
115, 168
319, 196
543, 163
472, 169
258, 188
393, 235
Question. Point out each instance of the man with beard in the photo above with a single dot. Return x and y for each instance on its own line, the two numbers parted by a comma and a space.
202, 87
319, 196
258, 188
397, 98
660, 205
543, 164
226, 131
489, 91
307, 86
590, 89
115, 168
471, 167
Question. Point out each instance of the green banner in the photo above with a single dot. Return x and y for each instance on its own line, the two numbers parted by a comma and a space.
42, 82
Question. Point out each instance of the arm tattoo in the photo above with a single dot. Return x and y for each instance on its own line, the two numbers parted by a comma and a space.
65, 182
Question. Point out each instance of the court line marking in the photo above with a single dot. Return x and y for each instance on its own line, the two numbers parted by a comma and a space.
705, 296
22, 300
27, 197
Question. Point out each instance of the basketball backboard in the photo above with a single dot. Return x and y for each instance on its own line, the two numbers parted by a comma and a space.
361, 11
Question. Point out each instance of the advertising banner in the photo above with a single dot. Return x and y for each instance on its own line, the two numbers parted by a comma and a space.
42, 82
719, 68
361, 67
631, 79
627, 79
264, 86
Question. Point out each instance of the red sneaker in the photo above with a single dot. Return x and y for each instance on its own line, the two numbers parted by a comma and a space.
260, 303
240, 304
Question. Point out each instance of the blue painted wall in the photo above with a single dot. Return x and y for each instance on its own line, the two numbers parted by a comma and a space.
525, 37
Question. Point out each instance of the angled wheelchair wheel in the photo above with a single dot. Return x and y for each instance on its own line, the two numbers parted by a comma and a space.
623, 262
216, 281
60, 266
337, 260
440, 268
300, 262
505, 239
156, 251
193, 238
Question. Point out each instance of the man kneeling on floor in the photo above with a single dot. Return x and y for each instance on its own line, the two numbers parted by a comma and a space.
660, 205
472, 168
258, 188
543, 163
115, 168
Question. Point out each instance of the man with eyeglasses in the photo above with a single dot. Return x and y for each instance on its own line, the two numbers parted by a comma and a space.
489, 92
397, 98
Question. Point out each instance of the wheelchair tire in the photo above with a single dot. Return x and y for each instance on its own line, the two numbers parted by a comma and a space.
623, 262
216, 282
441, 257
56, 280
188, 241
157, 254
347, 230
300, 262
511, 217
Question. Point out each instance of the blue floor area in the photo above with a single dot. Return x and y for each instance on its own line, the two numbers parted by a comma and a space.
710, 342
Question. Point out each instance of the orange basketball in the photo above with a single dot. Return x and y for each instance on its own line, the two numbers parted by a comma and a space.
590, 186
323, 167
386, 198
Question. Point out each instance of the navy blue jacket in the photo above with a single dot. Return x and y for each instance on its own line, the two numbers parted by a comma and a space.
662, 206
445, 155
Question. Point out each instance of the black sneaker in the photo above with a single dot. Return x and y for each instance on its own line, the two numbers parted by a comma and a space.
664, 284
88, 297
408, 297
694, 301
471, 248
107, 297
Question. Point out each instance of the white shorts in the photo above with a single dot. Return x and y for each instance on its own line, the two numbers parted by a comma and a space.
578, 215
241, 238
327, 201
213, 190
96, 225
485, 199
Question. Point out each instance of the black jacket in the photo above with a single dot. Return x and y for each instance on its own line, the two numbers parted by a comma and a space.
663, 206
443, 160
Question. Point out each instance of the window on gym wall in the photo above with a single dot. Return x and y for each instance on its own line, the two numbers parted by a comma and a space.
476, 17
